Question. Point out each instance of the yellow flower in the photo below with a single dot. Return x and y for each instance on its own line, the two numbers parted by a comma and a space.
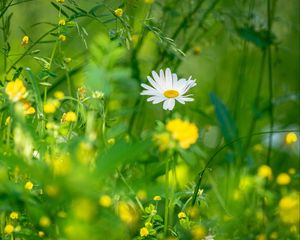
8, 229
84, 209
163, 140
291, 138
52, 190
16, 90
283, 179
119, 12
289, 208
198, 232
105, 201
45, 221
292, 171
28, 109
196, 50
265, 171
28, 185
157, 198
50, 107
62, 22
14, 215
184, 132
261, 237
148, 1
144, 232
7, 120
69, 117
127, 213
62, 38
181, 215
59, 95
111, 141
142, 194
60, 1
41, 234
25, 40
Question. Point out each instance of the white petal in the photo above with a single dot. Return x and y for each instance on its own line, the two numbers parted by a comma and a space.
154, 84
166, 104
158, 100
147, 87
171, 103
169, 83
186, 99
150, 92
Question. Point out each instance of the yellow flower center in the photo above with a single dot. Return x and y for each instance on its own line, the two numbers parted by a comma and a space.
171, 93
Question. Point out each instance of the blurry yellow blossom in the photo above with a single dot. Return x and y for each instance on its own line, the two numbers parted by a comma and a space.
28, 109
111, 141
236, 195
16, 90
81, 92
245, 183
163, 140
84, 209
289, 207
25, 40
193, 212
258, 147
261, 237
293, 229
60, 1
67, 60
61, 165
8, 229
105, 201
283, 179
28, 185
179, 178
196, 50
98, 95
62, 214
291, 138
198, 232
148, 1
62, 22
184, 132
142, 194
50, 107
181, 215
7, 120
274, 235
265, 171
156, 198
127, 213
144, 232
41, 234
59, 95
14, 215
85, 153
69, 117
44, 221
134, 38
292, 171
52, 190
119, 12
62, 38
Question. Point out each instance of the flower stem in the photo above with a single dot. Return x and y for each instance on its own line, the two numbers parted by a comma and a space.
167, 198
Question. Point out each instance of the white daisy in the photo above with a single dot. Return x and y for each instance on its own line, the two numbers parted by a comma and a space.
166, 88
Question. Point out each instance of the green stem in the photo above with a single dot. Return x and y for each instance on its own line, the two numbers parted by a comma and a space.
167, 198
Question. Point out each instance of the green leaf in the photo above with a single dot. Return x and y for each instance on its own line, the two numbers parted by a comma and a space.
225, 120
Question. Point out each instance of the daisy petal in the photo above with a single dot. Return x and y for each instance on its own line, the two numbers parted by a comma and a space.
168, 77
171, 103
166, 104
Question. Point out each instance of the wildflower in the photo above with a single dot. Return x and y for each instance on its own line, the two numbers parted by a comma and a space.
25, 40
67, 60
8, 229
198, 232
184, 132
41, 234
14, 215
7, 120
119, 12
261, 237
167, 88
163, 141
62, 38
16, 90
283, 179
141, 194
69, 117
157, 198
45, 221
292, 171
81, 92
60, 1
62, 22
289, 208
111, 141
98, 95
105, 201
28, 185
265, 171
291, 138
59, 95
181, 215
196, 50
28, 109
83, 209
50, 107
127, 213
144, 232
52, 190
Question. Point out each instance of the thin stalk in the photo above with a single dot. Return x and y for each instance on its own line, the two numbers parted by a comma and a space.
167, 198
